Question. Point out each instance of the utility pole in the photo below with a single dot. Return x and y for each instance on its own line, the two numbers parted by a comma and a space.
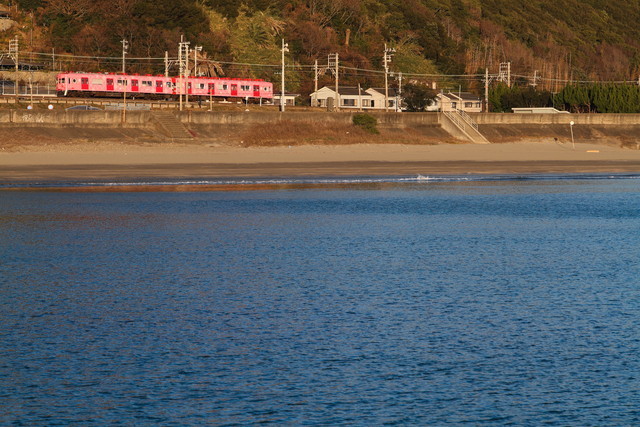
315, 78
317, 72
183, 55
285, 48
195, 59
332, 64
486, 90
505, 73
166, 63
386, 58
125, 46
535, 79
14, 53
399, 94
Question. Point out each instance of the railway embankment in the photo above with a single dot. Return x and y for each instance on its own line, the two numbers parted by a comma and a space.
305, 127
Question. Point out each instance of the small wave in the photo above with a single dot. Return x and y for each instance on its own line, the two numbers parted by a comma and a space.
312, 181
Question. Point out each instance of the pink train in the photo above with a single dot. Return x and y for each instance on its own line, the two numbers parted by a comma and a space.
160, 87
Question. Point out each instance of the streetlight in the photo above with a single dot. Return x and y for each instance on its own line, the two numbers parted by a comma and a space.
571, 123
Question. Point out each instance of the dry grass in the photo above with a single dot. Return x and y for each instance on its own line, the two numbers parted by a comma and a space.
287, 132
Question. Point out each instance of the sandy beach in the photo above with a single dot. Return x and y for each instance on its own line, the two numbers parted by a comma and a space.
107, 160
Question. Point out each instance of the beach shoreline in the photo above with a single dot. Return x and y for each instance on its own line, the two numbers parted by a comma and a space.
121, 161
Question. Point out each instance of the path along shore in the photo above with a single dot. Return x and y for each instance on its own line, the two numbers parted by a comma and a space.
119, 160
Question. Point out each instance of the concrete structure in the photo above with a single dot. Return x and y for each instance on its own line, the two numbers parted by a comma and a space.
203, 126
463, 101
537, 110
354, 98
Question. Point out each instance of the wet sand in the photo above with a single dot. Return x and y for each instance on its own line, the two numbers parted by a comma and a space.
100, 161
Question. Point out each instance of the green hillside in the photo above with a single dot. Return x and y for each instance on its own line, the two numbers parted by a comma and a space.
561, 40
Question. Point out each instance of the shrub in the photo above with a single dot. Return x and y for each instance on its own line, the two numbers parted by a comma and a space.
366, 122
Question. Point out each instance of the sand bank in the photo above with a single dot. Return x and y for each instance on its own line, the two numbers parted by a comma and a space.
104, 160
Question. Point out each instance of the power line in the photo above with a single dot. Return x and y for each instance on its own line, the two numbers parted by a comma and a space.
349, 71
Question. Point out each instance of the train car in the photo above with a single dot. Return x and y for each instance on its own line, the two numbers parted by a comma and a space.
149, 86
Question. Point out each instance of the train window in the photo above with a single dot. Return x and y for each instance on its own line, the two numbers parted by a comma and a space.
98, 82
146, 83
225, 87
201, 85
74, 81
266, 88
244, 87
122, 82
168, 84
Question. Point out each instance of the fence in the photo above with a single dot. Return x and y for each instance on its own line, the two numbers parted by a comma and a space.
8, 88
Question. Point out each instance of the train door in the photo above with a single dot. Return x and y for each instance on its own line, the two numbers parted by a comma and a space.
212, 89
256, 91
234, 90
159, 86
134, 85
189, 91
84, 83
109, 84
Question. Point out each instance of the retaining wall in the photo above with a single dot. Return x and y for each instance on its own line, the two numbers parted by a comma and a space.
614, 128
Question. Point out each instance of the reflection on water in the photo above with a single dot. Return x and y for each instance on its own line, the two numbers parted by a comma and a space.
462, 302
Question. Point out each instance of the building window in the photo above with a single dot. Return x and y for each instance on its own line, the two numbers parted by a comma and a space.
454, 105
349, 102
366, 103
468, 105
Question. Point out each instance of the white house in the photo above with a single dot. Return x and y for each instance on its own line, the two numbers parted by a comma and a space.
289, 99
354, 98
463, 101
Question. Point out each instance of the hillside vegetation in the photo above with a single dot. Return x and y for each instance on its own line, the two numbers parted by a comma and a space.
561, 40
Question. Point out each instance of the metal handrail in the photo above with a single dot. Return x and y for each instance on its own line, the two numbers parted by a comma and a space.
467, 118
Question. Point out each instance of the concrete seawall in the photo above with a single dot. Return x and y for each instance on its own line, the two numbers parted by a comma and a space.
623, 129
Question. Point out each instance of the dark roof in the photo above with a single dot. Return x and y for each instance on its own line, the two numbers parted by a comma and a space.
348, 90
353, 91
9, 64
392, 90
465, 96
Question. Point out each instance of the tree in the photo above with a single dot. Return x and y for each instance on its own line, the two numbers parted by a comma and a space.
418, 97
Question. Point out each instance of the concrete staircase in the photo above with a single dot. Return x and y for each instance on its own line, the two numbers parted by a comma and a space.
171, 126
460, 124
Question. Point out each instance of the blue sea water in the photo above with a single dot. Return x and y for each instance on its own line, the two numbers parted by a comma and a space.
423, 302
